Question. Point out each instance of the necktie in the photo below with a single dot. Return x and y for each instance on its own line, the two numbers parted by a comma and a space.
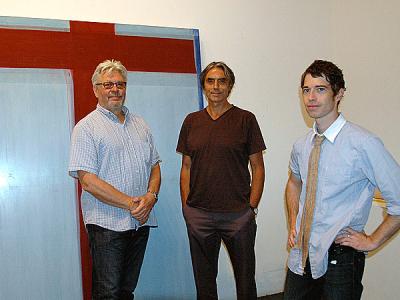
309, 204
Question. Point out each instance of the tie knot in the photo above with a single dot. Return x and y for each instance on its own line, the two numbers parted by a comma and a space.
318, 140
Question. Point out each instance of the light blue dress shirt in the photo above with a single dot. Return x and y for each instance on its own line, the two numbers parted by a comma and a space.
120, 154
352, 163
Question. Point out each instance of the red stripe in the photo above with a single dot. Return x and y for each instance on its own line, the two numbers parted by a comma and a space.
90, 43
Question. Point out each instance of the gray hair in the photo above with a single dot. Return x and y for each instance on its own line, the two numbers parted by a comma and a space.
109, 66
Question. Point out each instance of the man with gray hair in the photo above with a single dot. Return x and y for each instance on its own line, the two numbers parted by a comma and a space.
114, 157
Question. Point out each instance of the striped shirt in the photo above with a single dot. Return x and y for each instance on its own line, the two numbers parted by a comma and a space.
120, 154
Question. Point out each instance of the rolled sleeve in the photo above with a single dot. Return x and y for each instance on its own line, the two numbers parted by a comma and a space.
383, 171
294, 163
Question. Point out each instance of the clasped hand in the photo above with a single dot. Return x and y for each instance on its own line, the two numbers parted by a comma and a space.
141, 207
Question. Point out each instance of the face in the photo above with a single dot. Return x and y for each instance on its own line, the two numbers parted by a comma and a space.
111, 99
319, 100
216, 86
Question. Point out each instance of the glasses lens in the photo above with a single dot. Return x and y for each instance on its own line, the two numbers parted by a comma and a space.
120, 85
108, 85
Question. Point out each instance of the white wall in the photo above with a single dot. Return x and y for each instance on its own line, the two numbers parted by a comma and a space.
366, 43
269, 44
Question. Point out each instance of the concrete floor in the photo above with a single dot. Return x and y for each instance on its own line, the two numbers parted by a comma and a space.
272, 297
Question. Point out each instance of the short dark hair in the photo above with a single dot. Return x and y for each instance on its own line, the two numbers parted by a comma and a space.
327, 69
224, 67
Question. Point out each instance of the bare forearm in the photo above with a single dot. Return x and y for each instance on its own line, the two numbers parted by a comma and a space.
104, 191
363, 242
385, 230
155, 179
257, 178
257, 187
184, 185
293, 190
185, 178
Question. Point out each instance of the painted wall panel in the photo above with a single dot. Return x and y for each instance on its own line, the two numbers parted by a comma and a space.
39, 235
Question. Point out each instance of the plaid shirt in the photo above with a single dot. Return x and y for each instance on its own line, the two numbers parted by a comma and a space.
120, 154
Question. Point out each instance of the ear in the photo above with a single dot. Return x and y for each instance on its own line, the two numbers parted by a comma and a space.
95, 91
339, 95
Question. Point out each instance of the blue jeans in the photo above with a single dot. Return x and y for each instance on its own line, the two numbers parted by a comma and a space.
117, 258
342, 281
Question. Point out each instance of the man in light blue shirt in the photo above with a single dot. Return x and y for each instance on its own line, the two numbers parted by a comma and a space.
114, 157
352, 163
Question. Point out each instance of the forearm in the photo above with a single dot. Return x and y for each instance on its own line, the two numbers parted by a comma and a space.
184, 184
363, 242
257, 187
104, 191
293, 190
389, 226
185, 178
155, 179
257, 178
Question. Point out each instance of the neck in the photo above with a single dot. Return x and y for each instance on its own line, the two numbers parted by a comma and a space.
215, 110
120, 115
324, 124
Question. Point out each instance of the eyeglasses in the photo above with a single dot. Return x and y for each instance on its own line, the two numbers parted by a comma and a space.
108, 85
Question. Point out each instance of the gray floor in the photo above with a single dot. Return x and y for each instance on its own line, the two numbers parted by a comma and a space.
272, 297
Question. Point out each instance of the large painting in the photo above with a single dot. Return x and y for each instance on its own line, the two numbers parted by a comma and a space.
45, 71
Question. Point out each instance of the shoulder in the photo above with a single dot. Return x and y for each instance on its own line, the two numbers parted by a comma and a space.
302, 141
132, 117
359, 140
135, 119
88, 121
244, 117
194, 116
351, 130
243, 113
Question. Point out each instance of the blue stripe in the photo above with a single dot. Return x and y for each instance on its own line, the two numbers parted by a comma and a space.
34, 24
198, 65
154, 31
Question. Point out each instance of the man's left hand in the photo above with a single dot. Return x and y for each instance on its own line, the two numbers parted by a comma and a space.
145, 204
357, 240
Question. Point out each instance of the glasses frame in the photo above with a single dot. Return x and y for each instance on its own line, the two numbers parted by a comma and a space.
121, 83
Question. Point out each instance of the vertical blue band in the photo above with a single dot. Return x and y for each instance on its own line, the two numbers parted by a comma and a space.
196, 42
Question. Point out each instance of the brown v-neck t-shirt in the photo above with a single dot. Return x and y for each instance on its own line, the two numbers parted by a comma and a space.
219, 151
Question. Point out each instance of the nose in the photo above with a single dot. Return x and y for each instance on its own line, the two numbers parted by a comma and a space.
311, 94
114, 88
216, 84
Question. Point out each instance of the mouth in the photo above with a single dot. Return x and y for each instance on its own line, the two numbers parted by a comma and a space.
114, 98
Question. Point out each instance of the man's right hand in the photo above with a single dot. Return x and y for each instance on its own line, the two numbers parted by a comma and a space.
291, 242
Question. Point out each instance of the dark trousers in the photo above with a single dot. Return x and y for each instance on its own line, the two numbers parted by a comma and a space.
117, 258
342, 281
238, 231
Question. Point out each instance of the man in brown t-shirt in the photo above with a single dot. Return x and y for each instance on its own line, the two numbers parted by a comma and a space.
219, 197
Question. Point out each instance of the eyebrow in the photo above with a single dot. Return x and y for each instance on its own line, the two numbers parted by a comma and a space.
214, 78
317, 86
